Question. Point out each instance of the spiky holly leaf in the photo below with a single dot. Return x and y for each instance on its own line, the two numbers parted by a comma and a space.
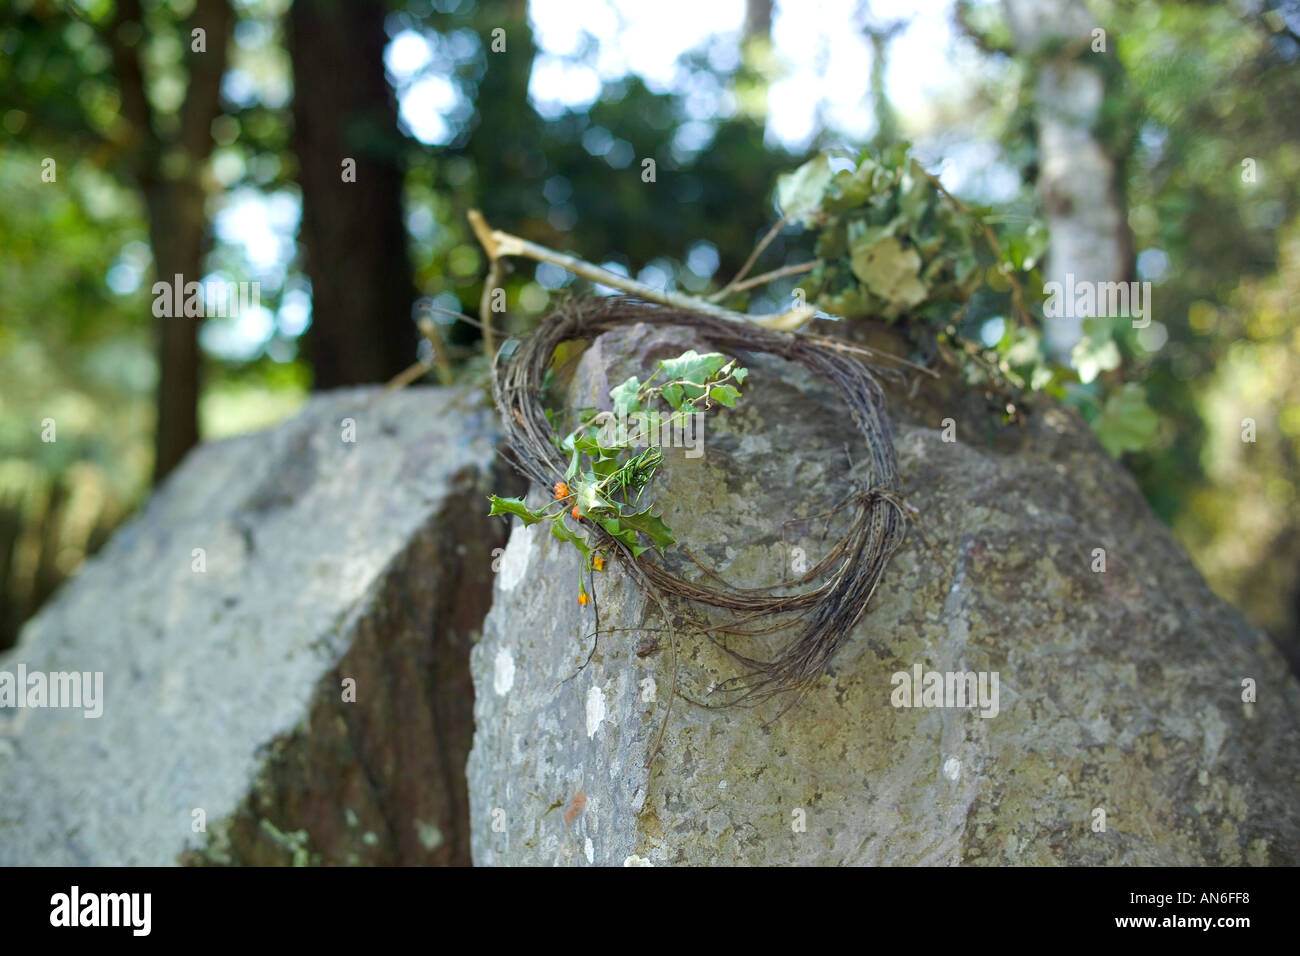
514, 506
561, 530
651, 525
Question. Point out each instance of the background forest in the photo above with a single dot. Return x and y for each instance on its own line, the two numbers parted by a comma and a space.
1157, 137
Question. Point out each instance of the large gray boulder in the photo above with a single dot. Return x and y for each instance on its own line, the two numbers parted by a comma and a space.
323, 560
1124, 731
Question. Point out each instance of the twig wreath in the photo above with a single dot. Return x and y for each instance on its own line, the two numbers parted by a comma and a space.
891, 242
848, 575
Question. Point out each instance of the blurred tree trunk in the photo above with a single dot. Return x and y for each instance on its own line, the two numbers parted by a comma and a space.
169, 172
353, 231
503, 145
880, 34
758, 20
177, 230
1080, 172
750, 84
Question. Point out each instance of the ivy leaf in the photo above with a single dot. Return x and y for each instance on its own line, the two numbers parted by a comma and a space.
849, 188
1092, 358
624, 397
724, 395
862, 234
1020, 346
890, 271
799, 194
916, 190
691, 366
931, 259
514, 506
1127, 422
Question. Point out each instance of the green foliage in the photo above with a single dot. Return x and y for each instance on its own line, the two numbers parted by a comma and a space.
894, 245
572, 179
890, 242
1242, 519
605, 480
1126, 422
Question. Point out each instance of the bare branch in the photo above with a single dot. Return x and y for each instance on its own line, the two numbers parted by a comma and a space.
499, 244
799, 268
749, 263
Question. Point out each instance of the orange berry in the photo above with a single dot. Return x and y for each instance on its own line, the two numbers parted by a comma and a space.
574, 512
561, 491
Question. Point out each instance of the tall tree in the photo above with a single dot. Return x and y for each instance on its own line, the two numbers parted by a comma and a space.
350, 156
169, 171
1080, 171
162, 152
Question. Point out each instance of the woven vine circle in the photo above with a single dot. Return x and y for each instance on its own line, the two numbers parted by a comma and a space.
847, 577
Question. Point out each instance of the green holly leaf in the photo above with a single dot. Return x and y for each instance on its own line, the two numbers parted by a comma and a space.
514, 506
616, 530
605, 466
589, 500
652, 526
560, 530
626, 535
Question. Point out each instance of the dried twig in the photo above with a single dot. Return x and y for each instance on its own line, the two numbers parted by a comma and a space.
493, 280
498, 244
429, 329
1017, 291
734, 284
799, 268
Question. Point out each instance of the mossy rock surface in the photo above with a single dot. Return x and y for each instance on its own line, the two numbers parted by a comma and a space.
1120, 692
